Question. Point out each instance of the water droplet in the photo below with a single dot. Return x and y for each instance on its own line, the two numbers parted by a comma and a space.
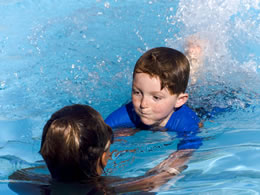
107, 5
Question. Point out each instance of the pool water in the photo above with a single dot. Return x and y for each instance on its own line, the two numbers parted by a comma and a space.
56, 53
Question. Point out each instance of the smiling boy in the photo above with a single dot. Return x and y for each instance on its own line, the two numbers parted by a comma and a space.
152, 104
160, 80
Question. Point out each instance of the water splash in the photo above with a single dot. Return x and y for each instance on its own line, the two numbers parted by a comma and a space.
229, 31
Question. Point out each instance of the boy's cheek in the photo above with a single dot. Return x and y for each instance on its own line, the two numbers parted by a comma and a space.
164, 110
136, 106
135, 101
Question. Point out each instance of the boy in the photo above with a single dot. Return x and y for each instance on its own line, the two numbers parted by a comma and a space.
160, 79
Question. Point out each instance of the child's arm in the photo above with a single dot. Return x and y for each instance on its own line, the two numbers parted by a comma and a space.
31, 174
176, 159
160, 174
125, 132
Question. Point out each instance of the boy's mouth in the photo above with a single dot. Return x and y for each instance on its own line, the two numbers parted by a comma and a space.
143, 113
146, 116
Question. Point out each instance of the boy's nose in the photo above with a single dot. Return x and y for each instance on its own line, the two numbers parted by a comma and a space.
143, 103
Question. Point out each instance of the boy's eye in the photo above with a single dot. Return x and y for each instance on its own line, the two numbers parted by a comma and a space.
156, 98
135, 92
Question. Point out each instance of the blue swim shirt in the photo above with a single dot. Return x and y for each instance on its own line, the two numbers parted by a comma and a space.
183, 121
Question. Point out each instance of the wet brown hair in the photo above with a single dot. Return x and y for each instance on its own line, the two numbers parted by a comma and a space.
171, 66
72, 141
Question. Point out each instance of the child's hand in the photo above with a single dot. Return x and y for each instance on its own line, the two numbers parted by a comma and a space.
175, 161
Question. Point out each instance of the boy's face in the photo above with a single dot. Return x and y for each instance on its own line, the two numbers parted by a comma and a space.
153, 105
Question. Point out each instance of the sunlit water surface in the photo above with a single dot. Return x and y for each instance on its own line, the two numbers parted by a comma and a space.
55, 53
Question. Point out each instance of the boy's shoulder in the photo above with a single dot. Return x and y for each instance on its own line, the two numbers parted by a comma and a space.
185, 112
183, 119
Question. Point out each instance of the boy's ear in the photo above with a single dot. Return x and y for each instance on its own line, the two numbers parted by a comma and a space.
181, 99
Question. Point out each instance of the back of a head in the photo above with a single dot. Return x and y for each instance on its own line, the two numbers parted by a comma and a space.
72, 141
171, 66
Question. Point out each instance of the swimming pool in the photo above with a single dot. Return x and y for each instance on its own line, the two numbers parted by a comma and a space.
55, 53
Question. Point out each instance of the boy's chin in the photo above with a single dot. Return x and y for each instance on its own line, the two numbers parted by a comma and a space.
149, 122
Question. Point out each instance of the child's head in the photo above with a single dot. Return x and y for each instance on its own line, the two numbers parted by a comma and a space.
195, 46
169, 65
159, 82
75, 143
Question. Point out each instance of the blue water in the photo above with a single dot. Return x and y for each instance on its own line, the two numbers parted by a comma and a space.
55, 53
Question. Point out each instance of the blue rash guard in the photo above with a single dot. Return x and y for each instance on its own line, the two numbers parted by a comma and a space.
183, 121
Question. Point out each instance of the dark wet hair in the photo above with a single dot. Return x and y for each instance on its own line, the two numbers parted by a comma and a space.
72, 141
171, 66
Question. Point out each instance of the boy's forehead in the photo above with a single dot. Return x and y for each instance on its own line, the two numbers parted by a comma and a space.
147, 74
155, 78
